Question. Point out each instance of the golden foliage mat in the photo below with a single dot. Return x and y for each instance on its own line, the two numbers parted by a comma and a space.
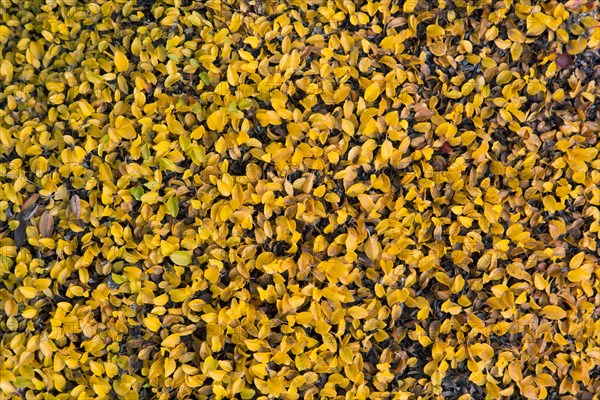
299, 199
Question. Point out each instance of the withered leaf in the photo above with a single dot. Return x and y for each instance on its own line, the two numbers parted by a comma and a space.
30, 202
46, 225
75, 204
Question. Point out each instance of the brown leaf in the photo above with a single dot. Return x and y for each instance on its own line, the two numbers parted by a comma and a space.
395, 22
75, 204
29, 207
46, 224
446, 148
259, 7
422, 112
574, 4
306, 51
564, 60
31, 200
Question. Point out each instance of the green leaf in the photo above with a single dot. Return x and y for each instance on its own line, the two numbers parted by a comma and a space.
173, 206
184, 142
205, 78
232, 107
151, 185
247, 393
245, 104
196, 153
181, 258
168, 165
145, 151
137, 192
196, 108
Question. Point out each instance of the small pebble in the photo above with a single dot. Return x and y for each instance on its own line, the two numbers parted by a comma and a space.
111, 283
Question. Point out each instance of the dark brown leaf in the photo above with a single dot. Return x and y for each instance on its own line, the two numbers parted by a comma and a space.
20, 234
564, 60
446, 148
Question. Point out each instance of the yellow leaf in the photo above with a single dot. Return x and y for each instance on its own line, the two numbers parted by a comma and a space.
577, 260
356, 189
553, 312
329, 341
358, 312
551, 205
576, 46
171, 341
579, 275
97, 368
539, 281
595, 38
170, 366
397, 296
346, 355
28, 292
121, 61
268, 117
516, 35
6, 70
372, 92
152, 323
111, 369
504, 77
179, 295
480, 153
93, 77
217, 120
422, 127
446, 130
86, 108
181, 258
29, 313
372, 248
386, 150
435, 30
125, 128
535, 25
334, 269
514, 372
451, 308
545, 380
409, 6
101, 390
120, 387
247, 393
530, 392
